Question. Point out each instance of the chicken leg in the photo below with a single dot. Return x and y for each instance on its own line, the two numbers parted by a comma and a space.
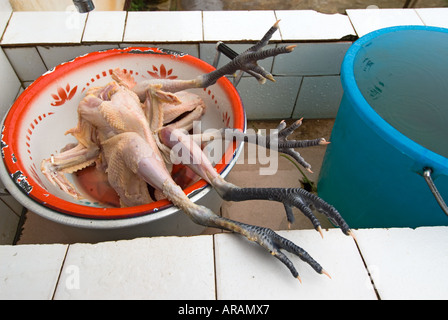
290, 197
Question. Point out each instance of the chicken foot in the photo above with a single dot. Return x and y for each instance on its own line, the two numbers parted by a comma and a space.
290, 197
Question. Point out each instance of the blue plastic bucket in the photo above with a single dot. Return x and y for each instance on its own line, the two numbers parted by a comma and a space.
392, 123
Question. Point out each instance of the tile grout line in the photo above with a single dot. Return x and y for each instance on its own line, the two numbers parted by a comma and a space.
352, 24
124, 29
203, 26
214, 257
41, 58
60, 273
214, 268
6, 26
81, 41
279, 31
296, 100
367, 269
8, 206
418, 15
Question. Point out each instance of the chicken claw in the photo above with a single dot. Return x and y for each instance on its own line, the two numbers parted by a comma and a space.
247, 61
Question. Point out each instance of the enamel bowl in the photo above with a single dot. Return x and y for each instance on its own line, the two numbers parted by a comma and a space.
34, 129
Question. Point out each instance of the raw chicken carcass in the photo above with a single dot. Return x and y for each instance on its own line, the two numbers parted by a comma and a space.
128, 130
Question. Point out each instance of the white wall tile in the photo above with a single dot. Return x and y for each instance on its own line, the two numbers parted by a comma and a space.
13, 206
27, 83
12, 203
368, 20
55, 55
164, 26
26, 62
30, 272
5, 14
319, 97
10, 84
20, 91
105, 26
312, 59
435, 17
246, 271
238, 25
270, 100
407, 264
8, 225
147, 268
30, 27
312, 25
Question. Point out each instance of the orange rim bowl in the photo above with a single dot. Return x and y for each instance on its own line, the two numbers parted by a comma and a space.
34, 126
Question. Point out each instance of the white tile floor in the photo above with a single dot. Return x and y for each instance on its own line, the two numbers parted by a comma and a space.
104, 26
366, 21
163, 26
435, 17
30, 271
245, 271
47, 27
403, 264
312, 25
239, 25
407, 263
146, 268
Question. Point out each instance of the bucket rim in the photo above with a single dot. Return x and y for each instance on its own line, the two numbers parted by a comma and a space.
422, 155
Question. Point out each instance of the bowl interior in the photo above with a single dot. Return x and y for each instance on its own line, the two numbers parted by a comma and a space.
35, 125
